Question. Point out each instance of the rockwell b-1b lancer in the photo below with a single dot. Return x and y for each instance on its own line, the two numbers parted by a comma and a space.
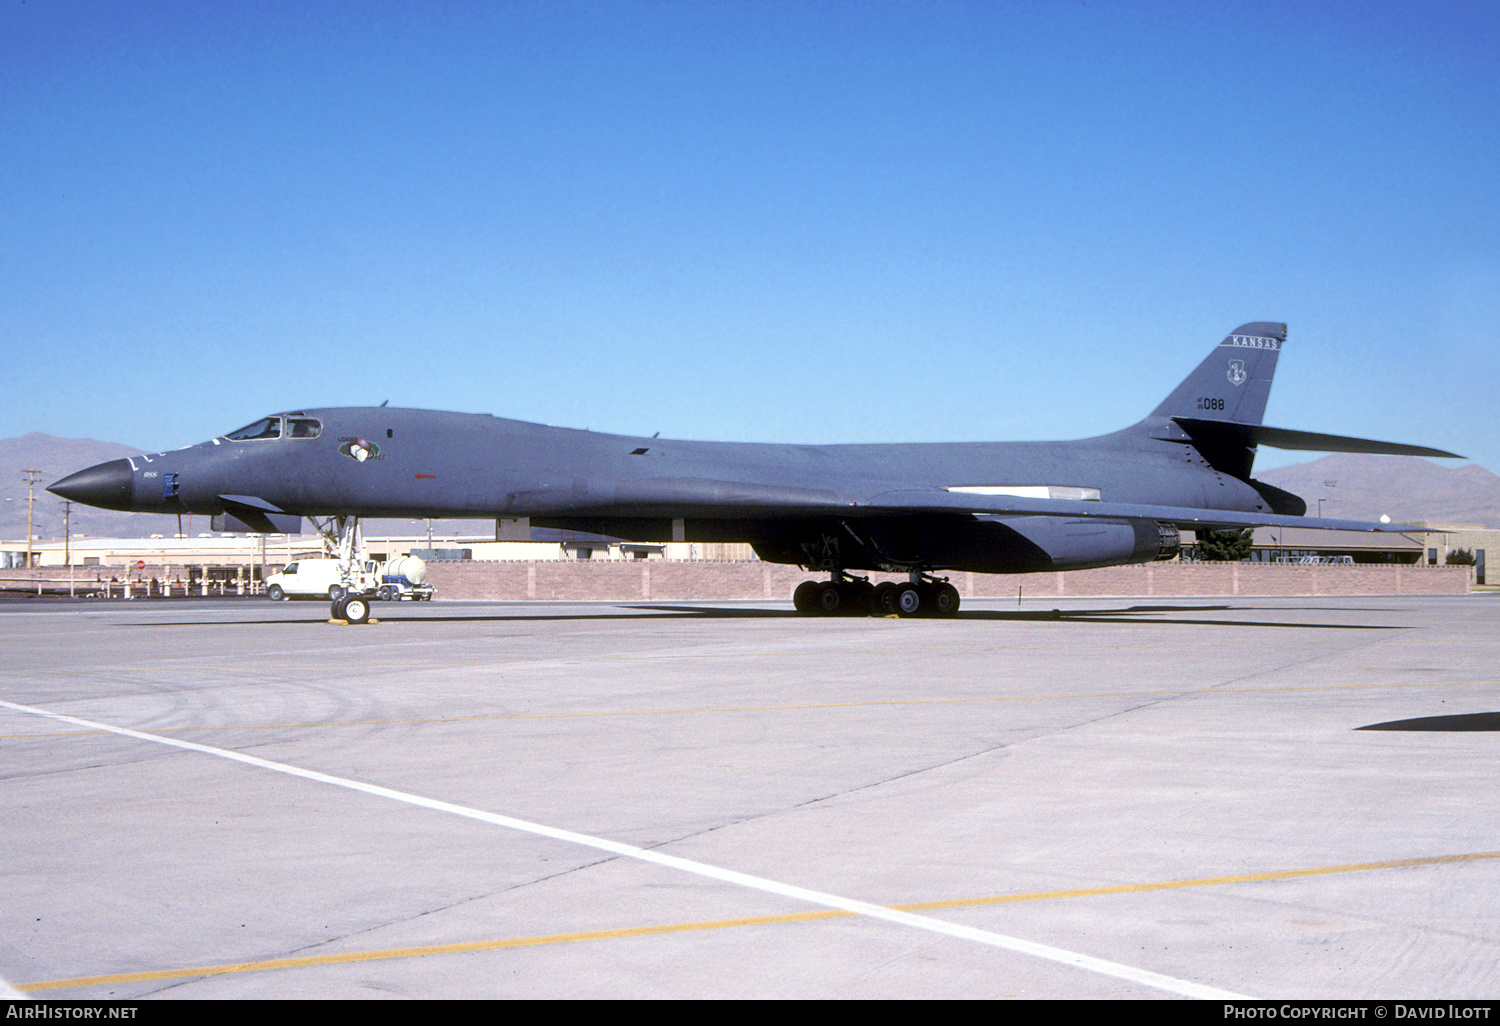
914, 508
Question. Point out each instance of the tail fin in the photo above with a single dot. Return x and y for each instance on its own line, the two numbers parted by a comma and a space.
1219, 407
1234, 383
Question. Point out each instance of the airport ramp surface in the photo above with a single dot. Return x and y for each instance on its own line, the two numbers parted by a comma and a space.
1068, 798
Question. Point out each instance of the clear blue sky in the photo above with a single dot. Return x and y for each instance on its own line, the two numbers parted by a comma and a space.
774, 221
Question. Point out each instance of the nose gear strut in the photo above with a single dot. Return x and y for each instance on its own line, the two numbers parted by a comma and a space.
342, 541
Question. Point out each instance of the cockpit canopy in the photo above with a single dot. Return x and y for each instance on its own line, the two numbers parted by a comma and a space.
291, 425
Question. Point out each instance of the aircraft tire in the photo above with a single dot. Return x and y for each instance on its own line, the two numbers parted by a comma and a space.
275, 594
881, 600
945, 600
336, 609
356, 609
830, 599
907, 600
802, 597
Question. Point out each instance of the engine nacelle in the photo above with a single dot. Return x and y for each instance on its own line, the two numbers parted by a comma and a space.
1009, 545
1083, 543
983, 544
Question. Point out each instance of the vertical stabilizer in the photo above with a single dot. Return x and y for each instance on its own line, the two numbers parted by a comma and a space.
1234, 383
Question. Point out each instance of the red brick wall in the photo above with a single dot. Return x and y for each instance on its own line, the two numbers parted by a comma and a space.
672, 581
662, 580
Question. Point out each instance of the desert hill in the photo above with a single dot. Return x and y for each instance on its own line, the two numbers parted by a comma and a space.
56, 458
1406, 488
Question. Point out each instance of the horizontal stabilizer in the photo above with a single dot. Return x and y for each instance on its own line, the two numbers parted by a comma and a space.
1285, 438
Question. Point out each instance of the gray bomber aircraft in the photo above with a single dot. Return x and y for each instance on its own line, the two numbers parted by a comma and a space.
916, 508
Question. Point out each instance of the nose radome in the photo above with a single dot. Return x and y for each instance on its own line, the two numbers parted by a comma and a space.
108, 486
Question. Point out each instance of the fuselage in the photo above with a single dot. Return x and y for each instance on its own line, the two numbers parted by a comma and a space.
821, 506
383, 462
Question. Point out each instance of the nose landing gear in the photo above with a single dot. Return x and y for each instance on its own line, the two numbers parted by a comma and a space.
350, 600
354, 609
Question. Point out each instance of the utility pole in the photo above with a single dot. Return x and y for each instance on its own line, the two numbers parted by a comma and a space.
67, 513
30, 498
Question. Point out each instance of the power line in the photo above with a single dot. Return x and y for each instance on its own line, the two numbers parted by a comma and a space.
30, 499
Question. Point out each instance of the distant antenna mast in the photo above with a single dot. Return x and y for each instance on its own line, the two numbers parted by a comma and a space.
30, 498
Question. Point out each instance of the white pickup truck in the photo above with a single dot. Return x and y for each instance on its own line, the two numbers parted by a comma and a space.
319, 579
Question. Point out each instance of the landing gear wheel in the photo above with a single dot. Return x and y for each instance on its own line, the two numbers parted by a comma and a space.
830, 599
336, 609
356, 609
908, 600
882, 603
841, 597
945, 600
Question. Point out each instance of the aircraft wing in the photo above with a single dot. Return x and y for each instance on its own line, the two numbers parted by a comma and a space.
695, 497
938, 501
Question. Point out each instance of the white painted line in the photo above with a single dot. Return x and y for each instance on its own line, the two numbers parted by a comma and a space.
1131, 974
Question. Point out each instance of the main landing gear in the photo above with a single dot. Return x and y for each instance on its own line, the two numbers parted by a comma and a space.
842, 595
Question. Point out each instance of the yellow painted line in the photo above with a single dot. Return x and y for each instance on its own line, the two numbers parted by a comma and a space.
719, 924
421, 952
1206, 881
788, 708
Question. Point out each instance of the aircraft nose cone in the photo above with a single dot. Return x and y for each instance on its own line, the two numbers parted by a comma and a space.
108, 486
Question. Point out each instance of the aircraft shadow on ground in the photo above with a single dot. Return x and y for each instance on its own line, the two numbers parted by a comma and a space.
1145, 614
1467, 722
656, 611
660, 611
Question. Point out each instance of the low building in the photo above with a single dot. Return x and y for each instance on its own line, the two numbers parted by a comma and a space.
276, 550
1430, 547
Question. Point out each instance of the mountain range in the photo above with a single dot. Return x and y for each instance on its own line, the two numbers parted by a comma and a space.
1407, 489
1354, 487
56, 458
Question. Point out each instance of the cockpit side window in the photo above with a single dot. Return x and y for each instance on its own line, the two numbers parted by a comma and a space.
303, 427
270, 427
